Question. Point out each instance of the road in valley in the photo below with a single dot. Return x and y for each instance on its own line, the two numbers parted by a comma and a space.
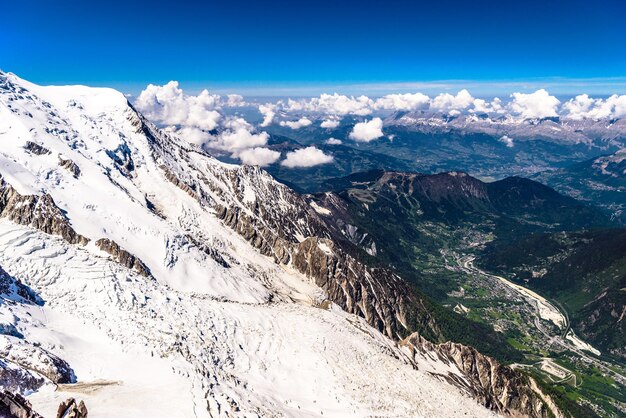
546, 310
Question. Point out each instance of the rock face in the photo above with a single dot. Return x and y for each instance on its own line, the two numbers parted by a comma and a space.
13, 289
37, 211
496, 386
13, 405
71, 409
17, 379
38, 360
122, 256
376, 294
36, 148
70, 166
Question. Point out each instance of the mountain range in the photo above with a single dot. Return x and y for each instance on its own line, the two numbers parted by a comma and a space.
145, 277
140, 269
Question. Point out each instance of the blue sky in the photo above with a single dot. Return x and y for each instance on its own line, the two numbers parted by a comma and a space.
297, 47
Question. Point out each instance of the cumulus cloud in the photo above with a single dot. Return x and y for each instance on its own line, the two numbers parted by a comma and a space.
333, 104
259, 156
445, 102
268, 111
240, 139
300, 123
507, 140
406, 101
306, 157
537, 105
367, 131
334, 141
237, 135
483, 106
192, 135
167, 105
584, 107
330, 123
235, 100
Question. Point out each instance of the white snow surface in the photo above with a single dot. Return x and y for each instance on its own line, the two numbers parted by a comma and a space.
197, 338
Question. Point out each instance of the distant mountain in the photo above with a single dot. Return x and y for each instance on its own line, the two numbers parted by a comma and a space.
457, 197
551, 129
405, 217
485, 147
600, 180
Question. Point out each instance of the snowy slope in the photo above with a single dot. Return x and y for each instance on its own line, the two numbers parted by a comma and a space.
215, 328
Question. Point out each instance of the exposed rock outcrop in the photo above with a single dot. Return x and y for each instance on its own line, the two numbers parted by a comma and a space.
14, 405
70, 166
376, 294
13, 289
498, 387
37, 359
37, 211
35, 148
123, 257
17, 379
71, 409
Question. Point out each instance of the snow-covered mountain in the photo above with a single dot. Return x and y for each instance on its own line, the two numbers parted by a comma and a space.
592, 132
149, 279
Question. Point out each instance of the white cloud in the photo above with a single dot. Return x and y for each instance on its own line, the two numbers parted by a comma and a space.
334, 141
237, 136
330, 123
268, 111
584, 107
483, 106
233, 123
618, 104
306, 157
235, 100
507, 140
406, 101
192, 135
259, 156
240, 139
445, 102
367, 131
333, 104
534, 105
167, 105
300, 123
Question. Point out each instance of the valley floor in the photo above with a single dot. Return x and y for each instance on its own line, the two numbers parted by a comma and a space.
544, 335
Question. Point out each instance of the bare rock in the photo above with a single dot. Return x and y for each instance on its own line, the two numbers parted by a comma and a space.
37, 359
37, 211
35, 148
123, 257
70, 166
497, 387
71, 409
14, 405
